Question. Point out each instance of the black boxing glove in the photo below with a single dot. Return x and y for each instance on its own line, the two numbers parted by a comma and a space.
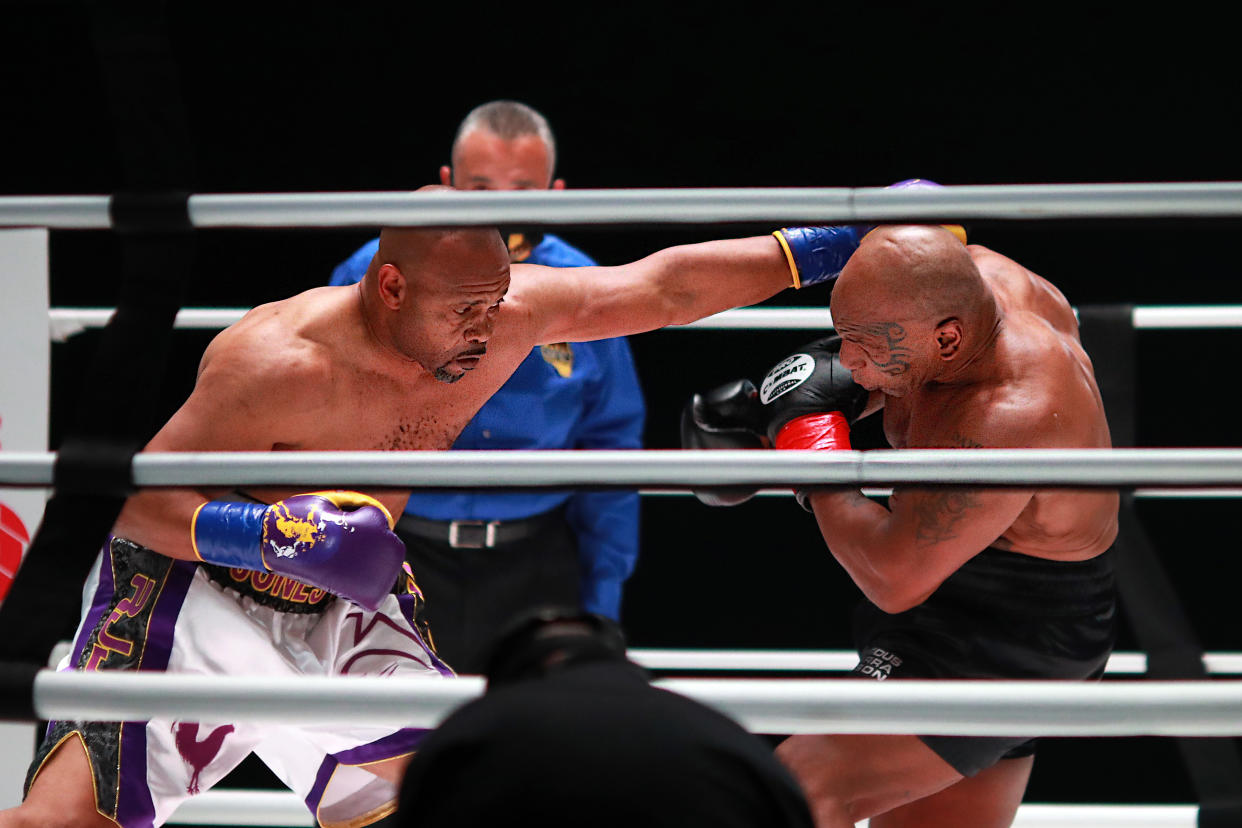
809, 399
727, 417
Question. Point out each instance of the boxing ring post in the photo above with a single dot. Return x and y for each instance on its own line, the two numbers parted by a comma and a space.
24, 399
1148, 599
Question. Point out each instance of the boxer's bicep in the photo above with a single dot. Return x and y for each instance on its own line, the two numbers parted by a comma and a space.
573, 304
671, 287
930, 532
938, 530
555, 304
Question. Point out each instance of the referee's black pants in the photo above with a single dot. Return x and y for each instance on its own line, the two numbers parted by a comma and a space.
473, 592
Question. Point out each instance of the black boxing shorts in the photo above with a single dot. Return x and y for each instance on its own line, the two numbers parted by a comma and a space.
1000, 616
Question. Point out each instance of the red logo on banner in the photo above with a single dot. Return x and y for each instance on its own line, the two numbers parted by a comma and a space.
13, 541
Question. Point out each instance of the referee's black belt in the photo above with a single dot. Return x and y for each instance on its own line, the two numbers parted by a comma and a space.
478, 534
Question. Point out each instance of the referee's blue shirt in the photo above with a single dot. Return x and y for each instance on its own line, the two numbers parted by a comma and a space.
581, 395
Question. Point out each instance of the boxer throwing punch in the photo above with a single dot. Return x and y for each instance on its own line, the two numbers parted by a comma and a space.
481, 556
962, 348
284, 583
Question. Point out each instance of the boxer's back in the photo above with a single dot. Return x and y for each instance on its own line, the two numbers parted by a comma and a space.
1041, 393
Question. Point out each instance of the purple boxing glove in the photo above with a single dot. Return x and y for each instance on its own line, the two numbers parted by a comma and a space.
339, 541
923, 184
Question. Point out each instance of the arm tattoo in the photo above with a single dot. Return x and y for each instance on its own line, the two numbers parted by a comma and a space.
940, 513
961, 441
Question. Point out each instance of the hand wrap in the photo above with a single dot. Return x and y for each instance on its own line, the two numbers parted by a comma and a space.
818, 254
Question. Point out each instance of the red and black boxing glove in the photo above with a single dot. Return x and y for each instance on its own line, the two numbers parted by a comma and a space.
809, 399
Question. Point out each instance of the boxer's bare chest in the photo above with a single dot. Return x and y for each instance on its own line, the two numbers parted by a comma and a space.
404, 411
923, 423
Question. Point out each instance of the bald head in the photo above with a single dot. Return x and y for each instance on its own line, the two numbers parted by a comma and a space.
914, 272
911, 308
416, 251
432, 251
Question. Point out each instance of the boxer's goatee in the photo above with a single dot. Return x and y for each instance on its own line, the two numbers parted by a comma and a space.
444, 375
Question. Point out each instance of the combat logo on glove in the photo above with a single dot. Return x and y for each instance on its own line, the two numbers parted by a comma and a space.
785, 376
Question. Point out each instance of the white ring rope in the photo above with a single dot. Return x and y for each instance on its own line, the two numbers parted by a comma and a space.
66, 322
831, 205
684, 660
802, 661
949, 707
1147, 492
666, 468
255, 808
279, 808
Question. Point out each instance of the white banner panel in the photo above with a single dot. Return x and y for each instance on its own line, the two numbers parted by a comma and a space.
25, 370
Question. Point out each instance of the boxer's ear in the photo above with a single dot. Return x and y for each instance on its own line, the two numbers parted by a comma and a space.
391, 285
949, 338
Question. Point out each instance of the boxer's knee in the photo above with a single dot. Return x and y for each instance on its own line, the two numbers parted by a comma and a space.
62, 794
392, 770
814, 762
849, 778
36, 814
989, 799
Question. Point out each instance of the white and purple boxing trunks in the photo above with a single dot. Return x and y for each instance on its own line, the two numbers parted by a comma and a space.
145, 611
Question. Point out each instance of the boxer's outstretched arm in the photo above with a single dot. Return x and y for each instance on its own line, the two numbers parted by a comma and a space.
671, 287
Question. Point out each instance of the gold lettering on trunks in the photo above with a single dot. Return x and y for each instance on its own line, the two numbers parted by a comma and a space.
278, 586
106, 642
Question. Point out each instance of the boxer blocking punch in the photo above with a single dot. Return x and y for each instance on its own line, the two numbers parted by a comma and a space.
960, 347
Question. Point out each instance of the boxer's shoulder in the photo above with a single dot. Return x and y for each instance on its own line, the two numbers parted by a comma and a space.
274, 352
527, 282
307, 330
533, 292
1018, 289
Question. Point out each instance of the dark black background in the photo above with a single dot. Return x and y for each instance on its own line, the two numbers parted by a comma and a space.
309, 97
